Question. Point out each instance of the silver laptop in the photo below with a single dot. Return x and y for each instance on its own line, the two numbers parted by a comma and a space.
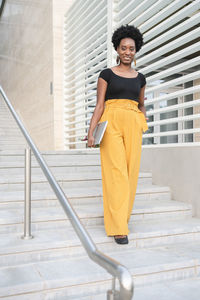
99, 132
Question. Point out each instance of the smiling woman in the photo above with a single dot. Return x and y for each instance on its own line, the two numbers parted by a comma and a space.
120, 101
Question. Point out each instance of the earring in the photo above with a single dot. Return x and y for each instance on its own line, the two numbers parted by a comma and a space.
118, 59
134, 60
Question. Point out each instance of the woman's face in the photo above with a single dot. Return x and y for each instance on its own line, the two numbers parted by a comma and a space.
126, 50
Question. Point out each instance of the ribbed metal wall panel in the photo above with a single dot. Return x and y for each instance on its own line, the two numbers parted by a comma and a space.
169, 59
85, 55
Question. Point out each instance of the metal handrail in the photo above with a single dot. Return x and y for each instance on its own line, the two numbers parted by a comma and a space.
112, 266
2, 6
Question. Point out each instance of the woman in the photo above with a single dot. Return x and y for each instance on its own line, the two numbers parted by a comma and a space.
120, 101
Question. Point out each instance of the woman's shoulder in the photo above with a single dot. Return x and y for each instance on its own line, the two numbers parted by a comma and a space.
142, 78
105, 71
105, 74
140, 74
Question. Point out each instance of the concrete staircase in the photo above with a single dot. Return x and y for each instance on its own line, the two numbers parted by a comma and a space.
163, 254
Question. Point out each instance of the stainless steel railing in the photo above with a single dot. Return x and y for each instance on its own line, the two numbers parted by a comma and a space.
2, 3
112, 266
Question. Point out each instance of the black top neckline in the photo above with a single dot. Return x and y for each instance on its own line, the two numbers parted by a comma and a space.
120, 88
123, 76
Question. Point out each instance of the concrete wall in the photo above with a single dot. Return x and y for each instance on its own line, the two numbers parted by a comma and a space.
26, 69
177, 167
30, 62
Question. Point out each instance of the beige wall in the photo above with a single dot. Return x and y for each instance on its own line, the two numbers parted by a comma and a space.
30, 59
178, 168
26, 69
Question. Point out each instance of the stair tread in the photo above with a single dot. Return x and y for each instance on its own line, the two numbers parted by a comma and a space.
90, 210
88, 151
53, 238
140, 206
174, 290
55, 274
62, 174
96, 190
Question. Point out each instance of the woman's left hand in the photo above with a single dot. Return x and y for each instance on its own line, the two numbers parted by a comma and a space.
91, 141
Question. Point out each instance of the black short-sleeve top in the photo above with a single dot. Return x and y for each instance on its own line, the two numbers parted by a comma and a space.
122, 87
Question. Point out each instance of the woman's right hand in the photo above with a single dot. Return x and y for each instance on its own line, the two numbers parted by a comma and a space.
91, 141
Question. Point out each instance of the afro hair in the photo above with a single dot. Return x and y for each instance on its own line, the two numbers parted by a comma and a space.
127, 31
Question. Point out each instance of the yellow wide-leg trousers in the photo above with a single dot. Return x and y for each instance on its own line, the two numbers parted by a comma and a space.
120, 152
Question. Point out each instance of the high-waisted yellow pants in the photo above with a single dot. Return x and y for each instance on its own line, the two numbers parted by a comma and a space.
120, 152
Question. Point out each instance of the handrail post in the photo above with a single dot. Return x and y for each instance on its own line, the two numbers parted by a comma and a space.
27, 195
113, 294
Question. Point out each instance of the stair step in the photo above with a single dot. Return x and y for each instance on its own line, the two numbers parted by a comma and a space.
63, 243
12, 147
62, 159
184, 289
7, 142
42, 191
159, 205
10, 134
69, 176
88, 151
93, 196
92, 214
147, 266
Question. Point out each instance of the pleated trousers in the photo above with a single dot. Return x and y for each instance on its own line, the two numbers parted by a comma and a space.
120, 152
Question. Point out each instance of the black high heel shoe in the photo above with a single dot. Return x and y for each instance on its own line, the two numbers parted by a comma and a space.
121, 240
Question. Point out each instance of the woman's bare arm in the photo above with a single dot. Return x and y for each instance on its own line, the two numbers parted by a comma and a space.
98, 111
141, 101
